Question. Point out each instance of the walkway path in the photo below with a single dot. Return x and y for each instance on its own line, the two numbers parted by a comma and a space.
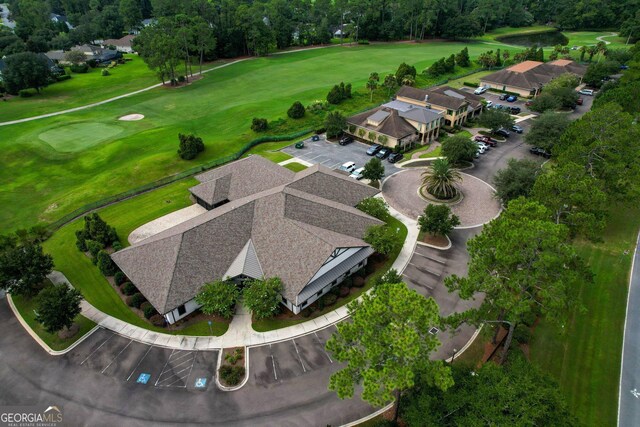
601, 38
240, 332
629, 398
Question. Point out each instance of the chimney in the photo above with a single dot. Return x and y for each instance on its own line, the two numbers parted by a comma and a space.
426, 98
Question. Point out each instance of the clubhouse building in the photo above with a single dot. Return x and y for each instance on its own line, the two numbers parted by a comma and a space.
257, 220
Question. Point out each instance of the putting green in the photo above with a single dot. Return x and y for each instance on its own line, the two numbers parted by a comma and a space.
78, 136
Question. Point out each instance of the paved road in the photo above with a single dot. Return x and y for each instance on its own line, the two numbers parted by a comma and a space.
90, 383
629, 403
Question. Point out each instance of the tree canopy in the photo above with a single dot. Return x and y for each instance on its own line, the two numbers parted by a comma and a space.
218, 297
263, 297
495, 119
516, 180
25, 70
546, 130
459, 149
437, 219
58, 306
23, 267
373, 170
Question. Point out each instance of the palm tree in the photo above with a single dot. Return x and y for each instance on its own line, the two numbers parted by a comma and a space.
441, 179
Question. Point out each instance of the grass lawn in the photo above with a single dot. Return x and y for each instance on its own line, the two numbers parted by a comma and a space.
295, 166
473, 78
26, 307
265, 325
588, 38
125, 216
586, 359
431, 154
42, 182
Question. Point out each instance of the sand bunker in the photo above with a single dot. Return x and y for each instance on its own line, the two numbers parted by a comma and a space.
131, 117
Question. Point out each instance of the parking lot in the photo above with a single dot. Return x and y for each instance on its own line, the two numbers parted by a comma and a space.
275, 363
143, 365
332, 155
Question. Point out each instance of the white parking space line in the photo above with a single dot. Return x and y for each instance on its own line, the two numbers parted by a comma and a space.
193, 362
323, 347
139, 362
164, 367
179, 379
100, 346
335, 165
181, 356
273, 363
299, 358
117, 355
182, 363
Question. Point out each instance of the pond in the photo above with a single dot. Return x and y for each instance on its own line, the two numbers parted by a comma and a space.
551, 38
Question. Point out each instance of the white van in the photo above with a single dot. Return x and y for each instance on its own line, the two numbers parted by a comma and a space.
348, 167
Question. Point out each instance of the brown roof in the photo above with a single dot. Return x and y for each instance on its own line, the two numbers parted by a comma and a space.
393, 125
531, 77
435, 97
293, 232
473, 99
122, 42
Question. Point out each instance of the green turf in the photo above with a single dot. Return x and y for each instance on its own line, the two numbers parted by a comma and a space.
295, 166
26, 307
586, 358
473, 78
435, 153
270, 324
77, 137
125, 216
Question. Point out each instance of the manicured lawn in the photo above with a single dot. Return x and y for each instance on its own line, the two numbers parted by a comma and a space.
473, 78
42, 182
295, 166
510, 31
588, 38
586, 358
265, 325
125, 216
26, 307
435, 153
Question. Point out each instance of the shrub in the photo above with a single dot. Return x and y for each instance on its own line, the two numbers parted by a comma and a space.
105, 72
144, 305
105, 264
358, 281
190, 146
360, 273
334, 96
81, 240
63, 77
235, 356
181, 79
157, 320
329, 299
94, 247
296, 111
306, 312
148, 311
348, 282
79, 68
129, 288
529, 318
231, 375
344, 291
136, 300
259, 125
334, 291
25, 93
320, 304
119, 278
369, 268
116, 246
522, 334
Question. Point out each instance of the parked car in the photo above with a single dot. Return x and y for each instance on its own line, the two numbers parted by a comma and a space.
489, 104
480, 90
373, 150
528, 103
503, 132
383, 153
395, 157
588, 92
580, 101
481, 149
315, 138
486, 140
346, 140
517, 129
503, 97
540, 152
348, 167
515, 110
482, 144
512, 98
357, 174
300, 144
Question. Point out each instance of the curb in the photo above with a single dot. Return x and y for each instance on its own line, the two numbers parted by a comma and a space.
440, 248
37, 339
246, 372
368, 417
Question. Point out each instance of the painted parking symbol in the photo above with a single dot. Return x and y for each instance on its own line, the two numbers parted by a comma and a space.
200, 383
635, 393
143, 378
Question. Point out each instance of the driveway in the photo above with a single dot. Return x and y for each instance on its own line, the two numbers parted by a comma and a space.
332, 154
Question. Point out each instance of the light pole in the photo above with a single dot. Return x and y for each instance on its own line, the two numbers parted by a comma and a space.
210, 330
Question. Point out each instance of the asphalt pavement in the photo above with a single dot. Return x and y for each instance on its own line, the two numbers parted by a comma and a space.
629, 400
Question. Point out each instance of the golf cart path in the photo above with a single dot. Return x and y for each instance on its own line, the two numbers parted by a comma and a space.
601, 38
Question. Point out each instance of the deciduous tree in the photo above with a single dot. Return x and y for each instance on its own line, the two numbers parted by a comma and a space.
334, 123
382, 238
376, 207
373, 170
459, 149
218, 297
516, 180
495, 119
23, 267
25, 70
58, 306
263, 297
546, 130
437, 219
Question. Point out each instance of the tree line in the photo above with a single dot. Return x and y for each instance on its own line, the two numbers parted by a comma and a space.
256, 27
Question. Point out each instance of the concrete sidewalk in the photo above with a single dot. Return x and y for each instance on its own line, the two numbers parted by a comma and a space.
240, 333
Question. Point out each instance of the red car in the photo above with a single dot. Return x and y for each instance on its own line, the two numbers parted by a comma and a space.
486, 140
579, 101
528, 103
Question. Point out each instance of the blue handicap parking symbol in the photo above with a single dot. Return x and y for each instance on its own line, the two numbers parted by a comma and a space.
143, 378
201, 383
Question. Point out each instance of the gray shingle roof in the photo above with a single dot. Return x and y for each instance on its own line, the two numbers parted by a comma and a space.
292, 228
434, 97
393, 125
533, 77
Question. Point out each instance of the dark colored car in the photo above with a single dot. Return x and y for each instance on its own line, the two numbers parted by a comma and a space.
512, 98
580, 101
503, 97
503, 132
373, 150
315, 138
515, 110
540, 152
383, 153
346, 140
490, 142
395, 157
517, 129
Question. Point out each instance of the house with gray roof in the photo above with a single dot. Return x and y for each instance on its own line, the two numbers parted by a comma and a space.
260, 220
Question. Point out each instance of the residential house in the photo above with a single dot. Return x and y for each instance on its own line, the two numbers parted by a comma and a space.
396, 123
123, 44
260, 221
98, 54
528, 78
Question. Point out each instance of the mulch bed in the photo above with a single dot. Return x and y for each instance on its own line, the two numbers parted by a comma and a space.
437, 240
192, 79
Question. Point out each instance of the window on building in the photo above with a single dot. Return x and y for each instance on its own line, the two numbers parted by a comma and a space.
181, 310
320, 292
449, 112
